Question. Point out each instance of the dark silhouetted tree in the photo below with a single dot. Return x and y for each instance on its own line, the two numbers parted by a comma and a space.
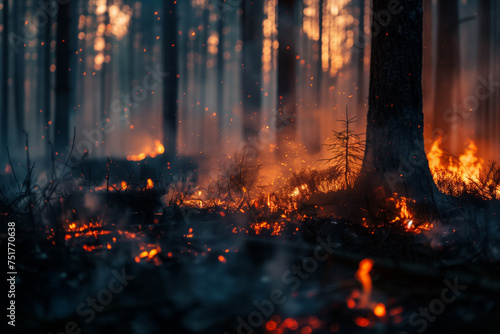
170, 87
394, 155
447, 69
251, 67
286, 123
63, 82
5, 77
485, 119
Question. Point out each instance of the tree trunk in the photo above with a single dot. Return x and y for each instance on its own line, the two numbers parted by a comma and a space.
19, 76
63, 84
286, 122
496, 76
171, 85
428, 61
447, 69
47, 61
394, 156
5, 81
361, 54
252, 64
484, 116
221, 112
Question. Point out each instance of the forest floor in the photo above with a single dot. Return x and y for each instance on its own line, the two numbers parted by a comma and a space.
138, 265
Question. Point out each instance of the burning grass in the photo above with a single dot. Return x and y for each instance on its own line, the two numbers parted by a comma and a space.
465, 176
181, 229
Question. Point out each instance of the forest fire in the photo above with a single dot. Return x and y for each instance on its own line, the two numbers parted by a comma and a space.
232, 166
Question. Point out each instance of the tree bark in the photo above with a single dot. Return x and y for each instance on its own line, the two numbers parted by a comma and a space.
170, 88
394, 156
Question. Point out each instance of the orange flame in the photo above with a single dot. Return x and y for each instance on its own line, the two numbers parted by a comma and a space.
363, 275
157, 149
469, 167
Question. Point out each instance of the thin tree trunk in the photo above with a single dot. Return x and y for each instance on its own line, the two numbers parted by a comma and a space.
286, 123
221, 113
5, 73
428, 47
251, 68
361, 54
447, 69
170, 87
19, 72
202, 131
394, 156
484, 116
63, 84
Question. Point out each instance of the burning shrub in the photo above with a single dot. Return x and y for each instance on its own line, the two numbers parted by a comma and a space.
237, 182
307, 182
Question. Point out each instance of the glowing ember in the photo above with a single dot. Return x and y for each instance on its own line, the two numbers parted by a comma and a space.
379, 310
362, 322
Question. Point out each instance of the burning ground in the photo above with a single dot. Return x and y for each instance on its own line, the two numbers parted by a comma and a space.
125, 249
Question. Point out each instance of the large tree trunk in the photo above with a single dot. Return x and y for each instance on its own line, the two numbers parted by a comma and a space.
286, 123
63, 84
394, 156
484, 118
448, 67
252, 64
171, 85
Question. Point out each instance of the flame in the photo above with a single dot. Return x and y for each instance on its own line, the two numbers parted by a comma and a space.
434, 155
469, 167
404, 217
363, 276
150, 184
152, 152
